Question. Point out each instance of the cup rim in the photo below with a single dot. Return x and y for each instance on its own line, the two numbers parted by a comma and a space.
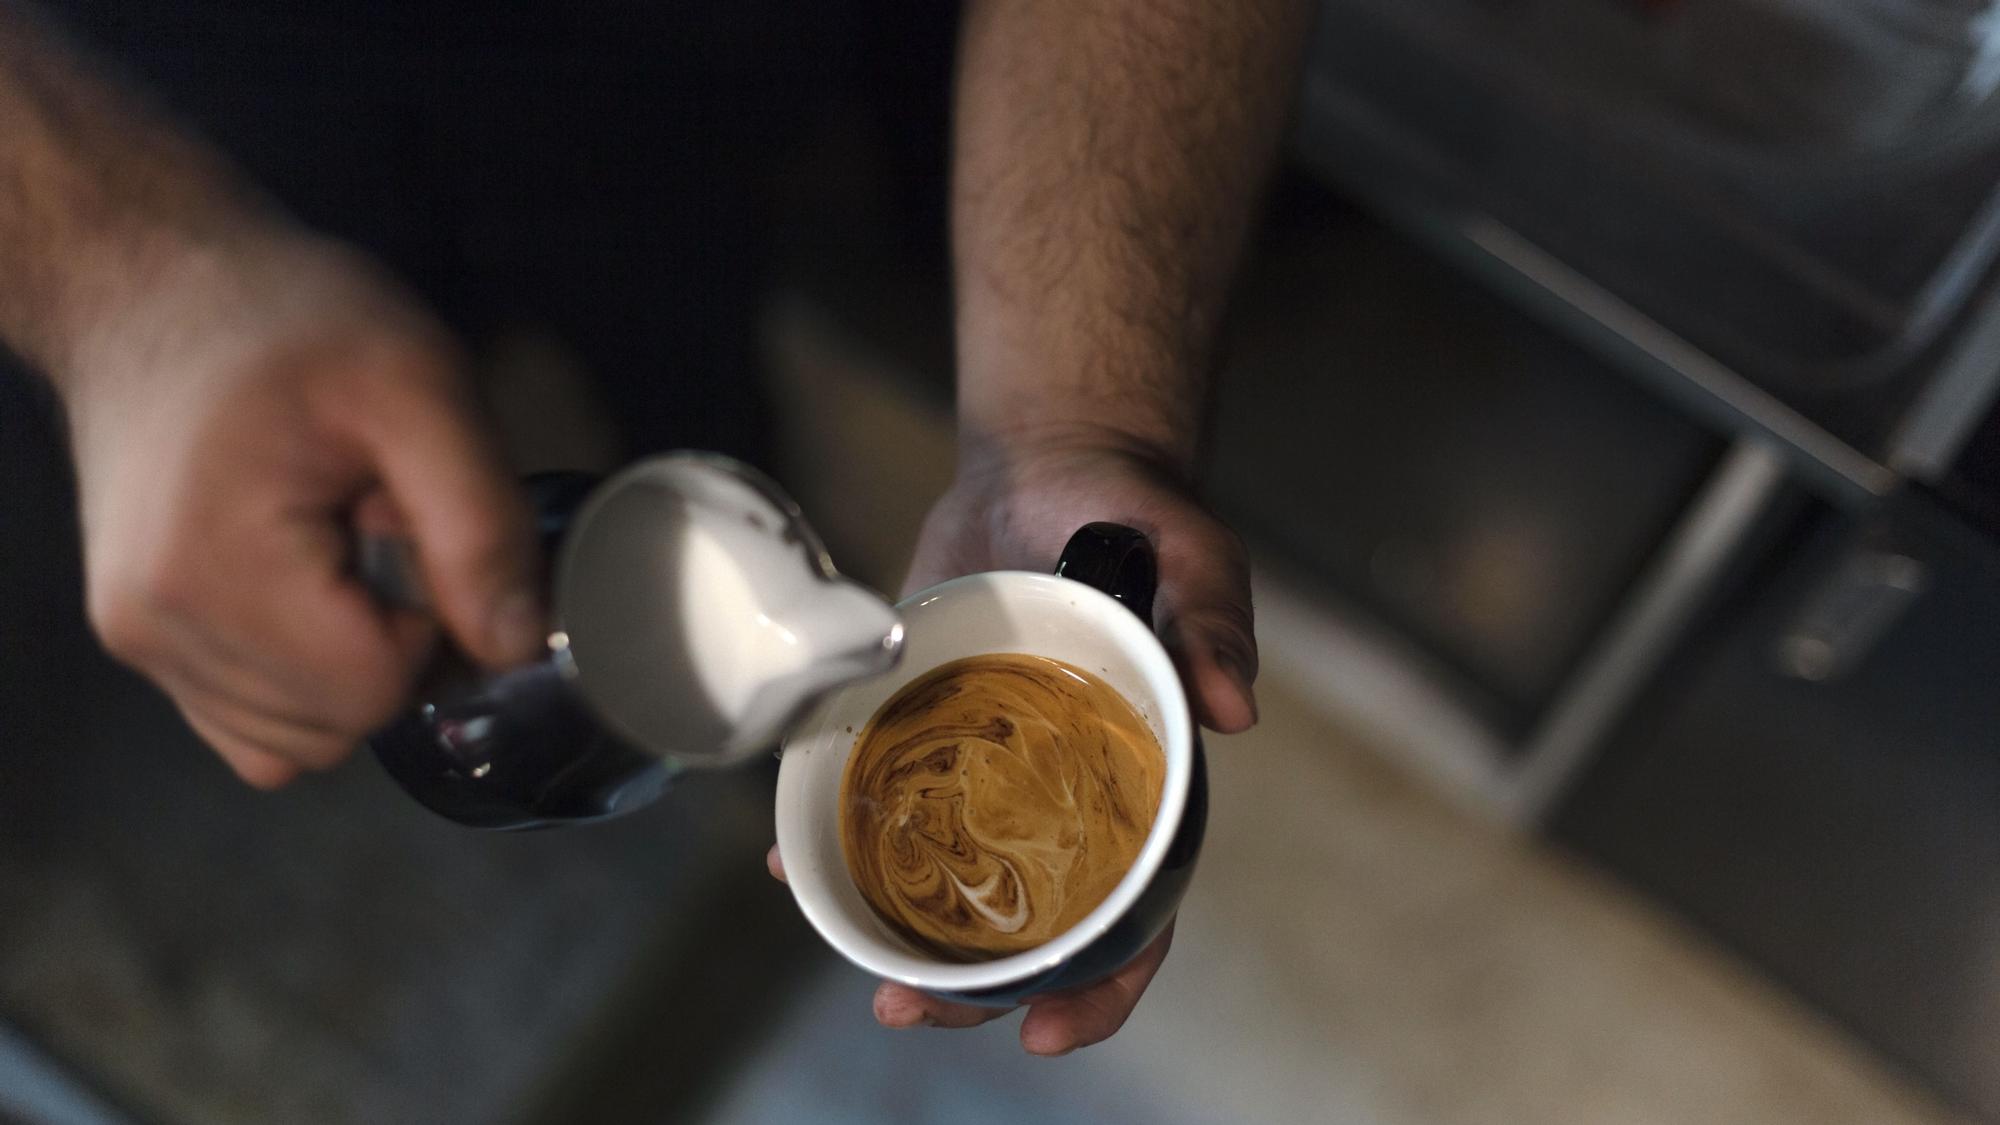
874, 954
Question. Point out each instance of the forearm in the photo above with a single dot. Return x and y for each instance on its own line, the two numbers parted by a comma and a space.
99, 196
1107, 160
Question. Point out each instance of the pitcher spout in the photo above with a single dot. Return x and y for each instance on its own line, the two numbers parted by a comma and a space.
840, 633
844, 632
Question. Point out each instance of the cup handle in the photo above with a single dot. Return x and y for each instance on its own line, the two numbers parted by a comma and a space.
1117, 560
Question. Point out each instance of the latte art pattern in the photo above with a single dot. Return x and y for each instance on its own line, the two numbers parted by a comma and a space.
995, 801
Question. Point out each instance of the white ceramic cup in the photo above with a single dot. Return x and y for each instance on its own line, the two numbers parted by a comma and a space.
1008, 612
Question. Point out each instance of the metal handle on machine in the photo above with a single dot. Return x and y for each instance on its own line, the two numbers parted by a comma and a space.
1849, 613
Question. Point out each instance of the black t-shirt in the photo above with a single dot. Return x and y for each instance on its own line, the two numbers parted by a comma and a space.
600, 170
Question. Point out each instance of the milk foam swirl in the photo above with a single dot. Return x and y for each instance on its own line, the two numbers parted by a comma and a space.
995, 801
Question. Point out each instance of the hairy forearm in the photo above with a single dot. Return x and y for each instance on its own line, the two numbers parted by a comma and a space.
99, 195
1108, 155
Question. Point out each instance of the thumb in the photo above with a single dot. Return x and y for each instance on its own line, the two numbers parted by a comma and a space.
466, 517
1205, 618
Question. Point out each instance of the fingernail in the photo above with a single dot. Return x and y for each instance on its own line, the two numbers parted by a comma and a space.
517, 627
893, 1015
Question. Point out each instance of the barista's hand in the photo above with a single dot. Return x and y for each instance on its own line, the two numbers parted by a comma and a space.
1013, 508
234, 424
1015, 505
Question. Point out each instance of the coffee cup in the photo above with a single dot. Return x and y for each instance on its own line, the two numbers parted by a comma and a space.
1093, 613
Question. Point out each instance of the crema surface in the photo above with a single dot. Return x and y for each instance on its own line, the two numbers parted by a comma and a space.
996, 800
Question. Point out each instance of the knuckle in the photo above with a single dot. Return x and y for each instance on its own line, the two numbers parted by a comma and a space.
484, 544
375, 692
478, 578
369, 710
1238, 619
261, 771
382, 378
321, 751
121, 620
1225, 621
169, 586
389, 390
410, 373
294, 740
421, 357
1230, 553
253, 766
480, 544
129, 606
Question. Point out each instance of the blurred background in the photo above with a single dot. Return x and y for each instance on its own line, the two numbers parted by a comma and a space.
1610, 412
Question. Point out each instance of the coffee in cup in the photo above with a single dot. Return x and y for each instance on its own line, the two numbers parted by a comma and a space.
996, 800
1094, 615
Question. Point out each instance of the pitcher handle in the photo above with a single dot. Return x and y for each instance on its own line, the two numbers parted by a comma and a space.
513, 750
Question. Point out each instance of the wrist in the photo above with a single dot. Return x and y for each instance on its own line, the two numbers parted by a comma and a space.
175, 303
988, 446
1156, 420
136, 283
1073, 390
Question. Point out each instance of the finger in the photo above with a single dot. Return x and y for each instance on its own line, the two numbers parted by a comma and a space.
775, 864
300, 745
1205, 618
374, 515
197, 691
899, 1005
1059, 1024
312, 650
257, 768
469, 522
943, 551
263, 595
